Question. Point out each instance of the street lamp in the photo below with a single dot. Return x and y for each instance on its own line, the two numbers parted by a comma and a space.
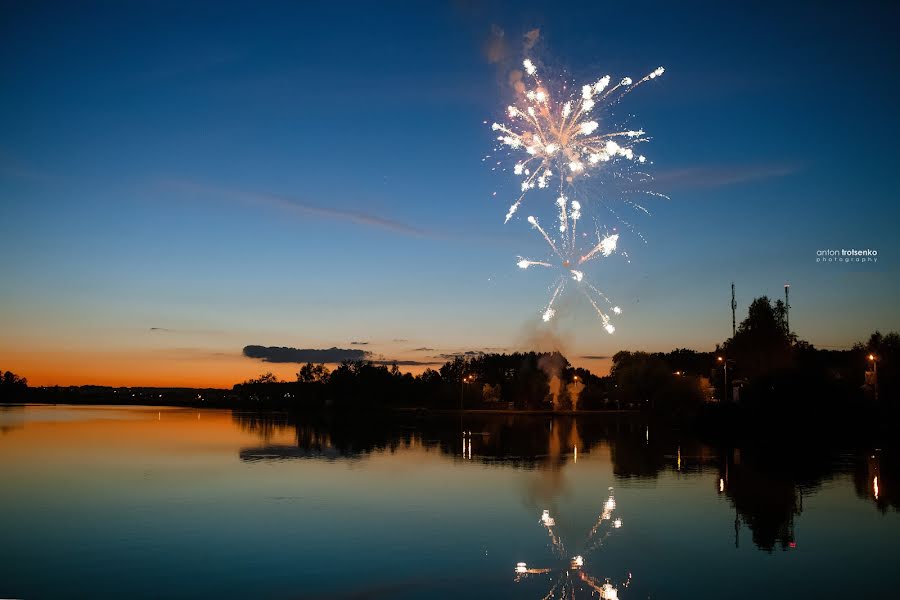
874, 360
466, 379
724, 362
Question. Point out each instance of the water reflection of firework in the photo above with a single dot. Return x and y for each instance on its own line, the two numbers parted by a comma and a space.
570, 575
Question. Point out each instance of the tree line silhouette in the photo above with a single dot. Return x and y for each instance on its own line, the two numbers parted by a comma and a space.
12, 387
763, 372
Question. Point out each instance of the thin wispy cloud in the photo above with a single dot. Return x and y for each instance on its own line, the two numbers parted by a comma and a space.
406, 363
466, 354
298, 207
720, 176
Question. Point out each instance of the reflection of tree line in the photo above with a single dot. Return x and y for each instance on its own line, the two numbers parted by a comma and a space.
765, 484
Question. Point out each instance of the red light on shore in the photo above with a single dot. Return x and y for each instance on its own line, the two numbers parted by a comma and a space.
793, 544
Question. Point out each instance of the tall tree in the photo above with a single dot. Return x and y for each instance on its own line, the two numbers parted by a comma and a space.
762, 343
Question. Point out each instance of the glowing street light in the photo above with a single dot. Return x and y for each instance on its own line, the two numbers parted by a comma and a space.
874, 360
724, 362
466, 379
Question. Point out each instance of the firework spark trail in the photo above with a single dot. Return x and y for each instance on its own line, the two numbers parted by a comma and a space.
549, 522
524, 263
605, 515
614, 308
605, 247
536, 225
603, 316
558, 136
576, 214
549, 312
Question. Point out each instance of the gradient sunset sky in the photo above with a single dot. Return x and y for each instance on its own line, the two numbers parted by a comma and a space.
180, 180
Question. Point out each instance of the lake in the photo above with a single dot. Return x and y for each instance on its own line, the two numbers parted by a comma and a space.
149, 502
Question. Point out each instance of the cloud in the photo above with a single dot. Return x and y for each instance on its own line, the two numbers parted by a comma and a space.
400, 340
359, 343
406, 363
160, 330
594, 357
282, 354
423, 349
466, 354
721, 175
295, 206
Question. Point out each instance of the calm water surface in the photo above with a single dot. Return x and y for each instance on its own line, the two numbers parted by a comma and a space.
104, 502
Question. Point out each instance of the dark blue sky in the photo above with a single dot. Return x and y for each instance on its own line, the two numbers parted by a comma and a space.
310, 174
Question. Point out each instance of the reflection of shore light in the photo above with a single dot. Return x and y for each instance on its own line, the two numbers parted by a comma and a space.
875, 486
547, 520
617, 523
576, 454
610, 504
721, 485
521, 568
577, 562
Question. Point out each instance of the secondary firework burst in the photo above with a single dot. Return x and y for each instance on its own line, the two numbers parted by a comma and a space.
570, 575
558, 137
569, 261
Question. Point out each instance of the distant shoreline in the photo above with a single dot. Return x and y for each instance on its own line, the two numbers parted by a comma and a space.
421, 410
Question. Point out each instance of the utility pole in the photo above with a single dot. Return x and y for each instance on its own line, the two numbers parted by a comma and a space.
787, 308
733, 308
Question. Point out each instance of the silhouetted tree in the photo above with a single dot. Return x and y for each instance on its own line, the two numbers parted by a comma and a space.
267, 377
762, 343
12, 387
646, 381
312, 373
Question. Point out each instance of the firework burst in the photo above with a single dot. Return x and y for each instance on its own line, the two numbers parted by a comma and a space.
558, 140
556, 137
569, 261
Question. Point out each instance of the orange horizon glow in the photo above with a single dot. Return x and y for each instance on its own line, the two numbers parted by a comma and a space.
143, 368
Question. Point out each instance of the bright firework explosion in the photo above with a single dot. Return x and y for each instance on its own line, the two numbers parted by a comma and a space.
559, 141
572, 576
571, 260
